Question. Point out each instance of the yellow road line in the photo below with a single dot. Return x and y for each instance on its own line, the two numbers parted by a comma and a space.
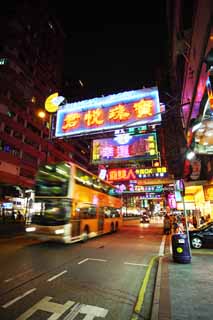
139, 303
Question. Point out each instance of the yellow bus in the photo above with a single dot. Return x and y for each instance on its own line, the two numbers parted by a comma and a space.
72, 204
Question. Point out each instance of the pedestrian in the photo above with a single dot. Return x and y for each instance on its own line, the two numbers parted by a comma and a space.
174, 223
194, 221
167, 224
13, 215
19, 216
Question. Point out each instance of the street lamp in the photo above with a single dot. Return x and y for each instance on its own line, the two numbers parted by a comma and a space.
41, 114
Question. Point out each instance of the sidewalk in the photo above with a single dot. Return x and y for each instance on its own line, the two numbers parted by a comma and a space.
184, 291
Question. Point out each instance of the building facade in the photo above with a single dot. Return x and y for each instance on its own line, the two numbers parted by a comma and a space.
191, 43
31, 63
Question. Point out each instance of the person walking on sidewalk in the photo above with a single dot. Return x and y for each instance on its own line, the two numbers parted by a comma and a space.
167, 224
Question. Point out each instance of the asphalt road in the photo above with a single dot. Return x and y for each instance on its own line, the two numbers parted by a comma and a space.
99, 279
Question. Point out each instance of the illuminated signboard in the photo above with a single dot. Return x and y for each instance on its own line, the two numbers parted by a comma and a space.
150, 192
142, 147
135, 188
131, 108
127, 174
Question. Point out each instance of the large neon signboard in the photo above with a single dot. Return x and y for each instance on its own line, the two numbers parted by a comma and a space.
131, 108
143, 147
127, 174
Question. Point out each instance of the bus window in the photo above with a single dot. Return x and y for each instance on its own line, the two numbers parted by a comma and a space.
110, 212
52, 181
87, 212
52, 212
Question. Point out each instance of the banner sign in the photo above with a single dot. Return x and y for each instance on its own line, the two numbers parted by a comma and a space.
131, 108
143, 147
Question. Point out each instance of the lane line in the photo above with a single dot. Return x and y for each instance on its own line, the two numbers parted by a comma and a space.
6, 305
56, 276
102, 260
19, 275
8, 280
82, 261
136, 264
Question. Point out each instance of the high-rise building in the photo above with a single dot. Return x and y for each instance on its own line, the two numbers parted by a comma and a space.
31, 64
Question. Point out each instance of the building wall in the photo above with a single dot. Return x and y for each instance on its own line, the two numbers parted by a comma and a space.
195, 68
31, 61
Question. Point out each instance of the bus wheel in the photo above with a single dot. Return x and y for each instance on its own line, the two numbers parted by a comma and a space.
86, 234
116, 226
112, 227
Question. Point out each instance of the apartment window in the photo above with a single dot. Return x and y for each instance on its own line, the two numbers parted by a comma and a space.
31, 143
33, 129
7, 129
33, 99
1, 145
11, 114
20, 120
28, 159
17, 135
16, 152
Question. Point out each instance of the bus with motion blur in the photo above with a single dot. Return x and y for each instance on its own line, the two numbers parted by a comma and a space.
72, 204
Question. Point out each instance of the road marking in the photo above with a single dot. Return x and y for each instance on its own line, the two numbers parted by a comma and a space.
18, 275
73, 312
162, 246
56, 276
8, 280
139, 303
141, 237
87, 259
57, 309
136, 264
46, 305
102, 260
92, 312
82, 261
6, 305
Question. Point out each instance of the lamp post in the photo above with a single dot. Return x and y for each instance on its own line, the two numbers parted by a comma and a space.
186, 226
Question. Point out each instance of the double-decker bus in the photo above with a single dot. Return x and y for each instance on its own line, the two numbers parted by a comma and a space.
72, 204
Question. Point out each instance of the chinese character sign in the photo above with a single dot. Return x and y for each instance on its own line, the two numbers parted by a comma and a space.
143, 146
129, 174
108, 113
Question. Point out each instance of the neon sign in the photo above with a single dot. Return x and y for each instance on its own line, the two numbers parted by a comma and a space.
126, 174
143, 147
131, 108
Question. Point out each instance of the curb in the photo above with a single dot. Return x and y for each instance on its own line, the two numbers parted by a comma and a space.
156, 298
139, 302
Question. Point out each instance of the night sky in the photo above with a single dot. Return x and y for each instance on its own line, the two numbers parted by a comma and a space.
112, 57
